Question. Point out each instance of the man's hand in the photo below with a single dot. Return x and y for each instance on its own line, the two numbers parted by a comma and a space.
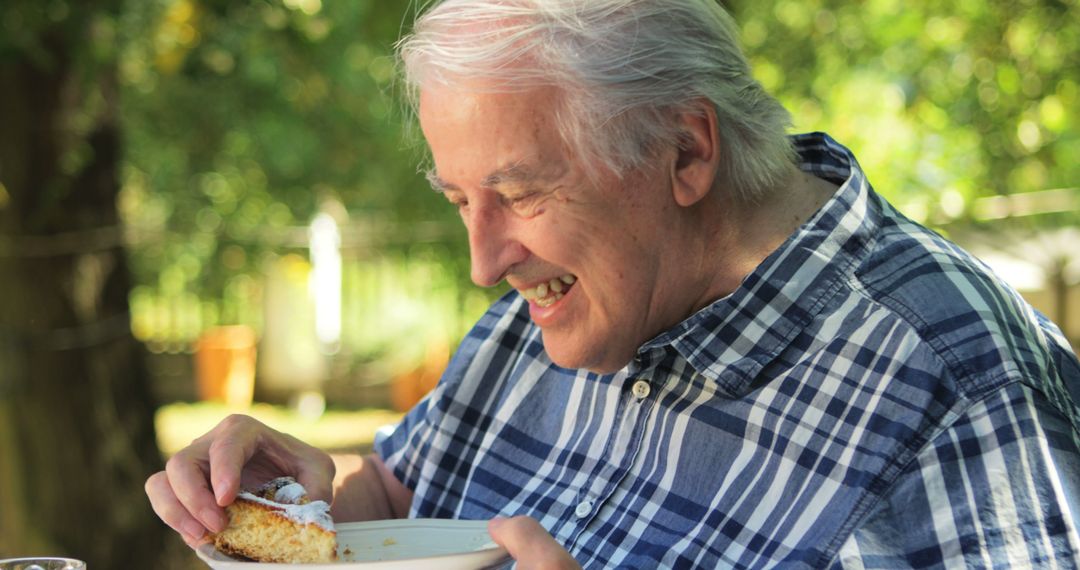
530, 545
201, 479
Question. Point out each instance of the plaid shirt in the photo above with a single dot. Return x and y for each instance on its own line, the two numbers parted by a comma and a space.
870, 397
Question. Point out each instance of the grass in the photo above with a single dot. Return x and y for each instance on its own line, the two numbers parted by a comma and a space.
335, 430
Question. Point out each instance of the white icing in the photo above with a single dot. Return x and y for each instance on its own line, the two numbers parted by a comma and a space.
291, 493
315, 512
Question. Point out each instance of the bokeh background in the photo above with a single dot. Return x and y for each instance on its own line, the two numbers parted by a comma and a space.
209, 207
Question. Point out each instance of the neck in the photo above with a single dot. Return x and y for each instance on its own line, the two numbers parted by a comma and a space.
738, 235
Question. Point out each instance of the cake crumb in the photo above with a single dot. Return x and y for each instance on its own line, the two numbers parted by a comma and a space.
389, 542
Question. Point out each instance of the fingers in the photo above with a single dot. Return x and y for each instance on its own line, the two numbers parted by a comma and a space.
315, 470
530, 544
227, 454
187, 479
312, 467
203, 478
168, 508
182, 495
317, 477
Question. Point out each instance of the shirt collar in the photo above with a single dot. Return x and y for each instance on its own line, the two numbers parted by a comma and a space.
734, 337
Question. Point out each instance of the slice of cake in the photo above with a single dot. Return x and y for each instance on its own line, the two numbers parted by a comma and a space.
279, 523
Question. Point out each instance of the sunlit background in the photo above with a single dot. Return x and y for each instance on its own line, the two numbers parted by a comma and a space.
288, 259
246, 122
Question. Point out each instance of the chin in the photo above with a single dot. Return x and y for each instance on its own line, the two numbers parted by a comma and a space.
599, 362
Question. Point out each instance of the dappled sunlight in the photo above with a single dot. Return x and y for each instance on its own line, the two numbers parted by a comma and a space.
973, 97
335, 430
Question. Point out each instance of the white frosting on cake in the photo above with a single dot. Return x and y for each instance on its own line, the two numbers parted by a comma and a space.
286, 499
291, 493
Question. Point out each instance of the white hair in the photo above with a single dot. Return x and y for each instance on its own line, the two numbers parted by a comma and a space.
624, 69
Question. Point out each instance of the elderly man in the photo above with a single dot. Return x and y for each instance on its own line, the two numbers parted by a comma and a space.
723, 348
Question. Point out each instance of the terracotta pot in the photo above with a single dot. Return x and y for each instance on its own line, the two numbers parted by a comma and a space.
225, 365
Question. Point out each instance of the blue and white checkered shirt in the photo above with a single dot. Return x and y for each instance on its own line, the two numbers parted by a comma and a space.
870, 397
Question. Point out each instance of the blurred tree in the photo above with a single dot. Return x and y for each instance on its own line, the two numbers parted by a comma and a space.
944, 103
245, 116
76, 422
243, 119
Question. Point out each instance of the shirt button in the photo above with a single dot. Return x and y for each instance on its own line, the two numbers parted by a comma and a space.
641, 389
583, 509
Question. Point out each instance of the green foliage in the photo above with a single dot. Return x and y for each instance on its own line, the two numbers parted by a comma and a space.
30, 29
943, 102
242, 120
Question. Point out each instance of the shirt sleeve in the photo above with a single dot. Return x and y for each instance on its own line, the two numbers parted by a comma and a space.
999, 488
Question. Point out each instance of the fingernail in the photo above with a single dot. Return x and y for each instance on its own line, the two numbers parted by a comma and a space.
219, 492
194, 530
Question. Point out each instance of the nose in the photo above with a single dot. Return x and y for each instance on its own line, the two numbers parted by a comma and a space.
492, 246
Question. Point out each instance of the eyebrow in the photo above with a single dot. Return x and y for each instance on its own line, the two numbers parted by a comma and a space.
516, 173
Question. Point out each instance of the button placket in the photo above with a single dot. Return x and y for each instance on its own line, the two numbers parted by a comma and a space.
633, 410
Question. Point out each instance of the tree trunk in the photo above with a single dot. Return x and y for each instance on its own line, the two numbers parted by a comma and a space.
76, 419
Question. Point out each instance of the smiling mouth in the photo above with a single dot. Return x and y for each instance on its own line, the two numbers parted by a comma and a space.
546, 294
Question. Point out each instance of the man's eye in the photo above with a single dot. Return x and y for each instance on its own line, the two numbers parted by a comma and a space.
520, 199
525, 205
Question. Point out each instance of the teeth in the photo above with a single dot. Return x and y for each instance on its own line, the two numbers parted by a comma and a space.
545, 294
549, 301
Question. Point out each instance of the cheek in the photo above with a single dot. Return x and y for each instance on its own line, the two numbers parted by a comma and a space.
552, 238
595, 245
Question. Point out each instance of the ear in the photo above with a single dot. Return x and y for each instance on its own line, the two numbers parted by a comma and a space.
698, 155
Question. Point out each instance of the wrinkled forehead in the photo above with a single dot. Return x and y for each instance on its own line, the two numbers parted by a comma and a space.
511, 133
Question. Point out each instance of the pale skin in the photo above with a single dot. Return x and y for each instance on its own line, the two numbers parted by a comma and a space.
645, 251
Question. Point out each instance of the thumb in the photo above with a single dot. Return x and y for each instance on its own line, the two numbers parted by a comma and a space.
313, 468
530, 544
317, 478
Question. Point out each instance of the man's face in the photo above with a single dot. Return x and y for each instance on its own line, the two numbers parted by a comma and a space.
587, 254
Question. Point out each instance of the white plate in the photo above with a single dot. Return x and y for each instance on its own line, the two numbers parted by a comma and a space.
394, 545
